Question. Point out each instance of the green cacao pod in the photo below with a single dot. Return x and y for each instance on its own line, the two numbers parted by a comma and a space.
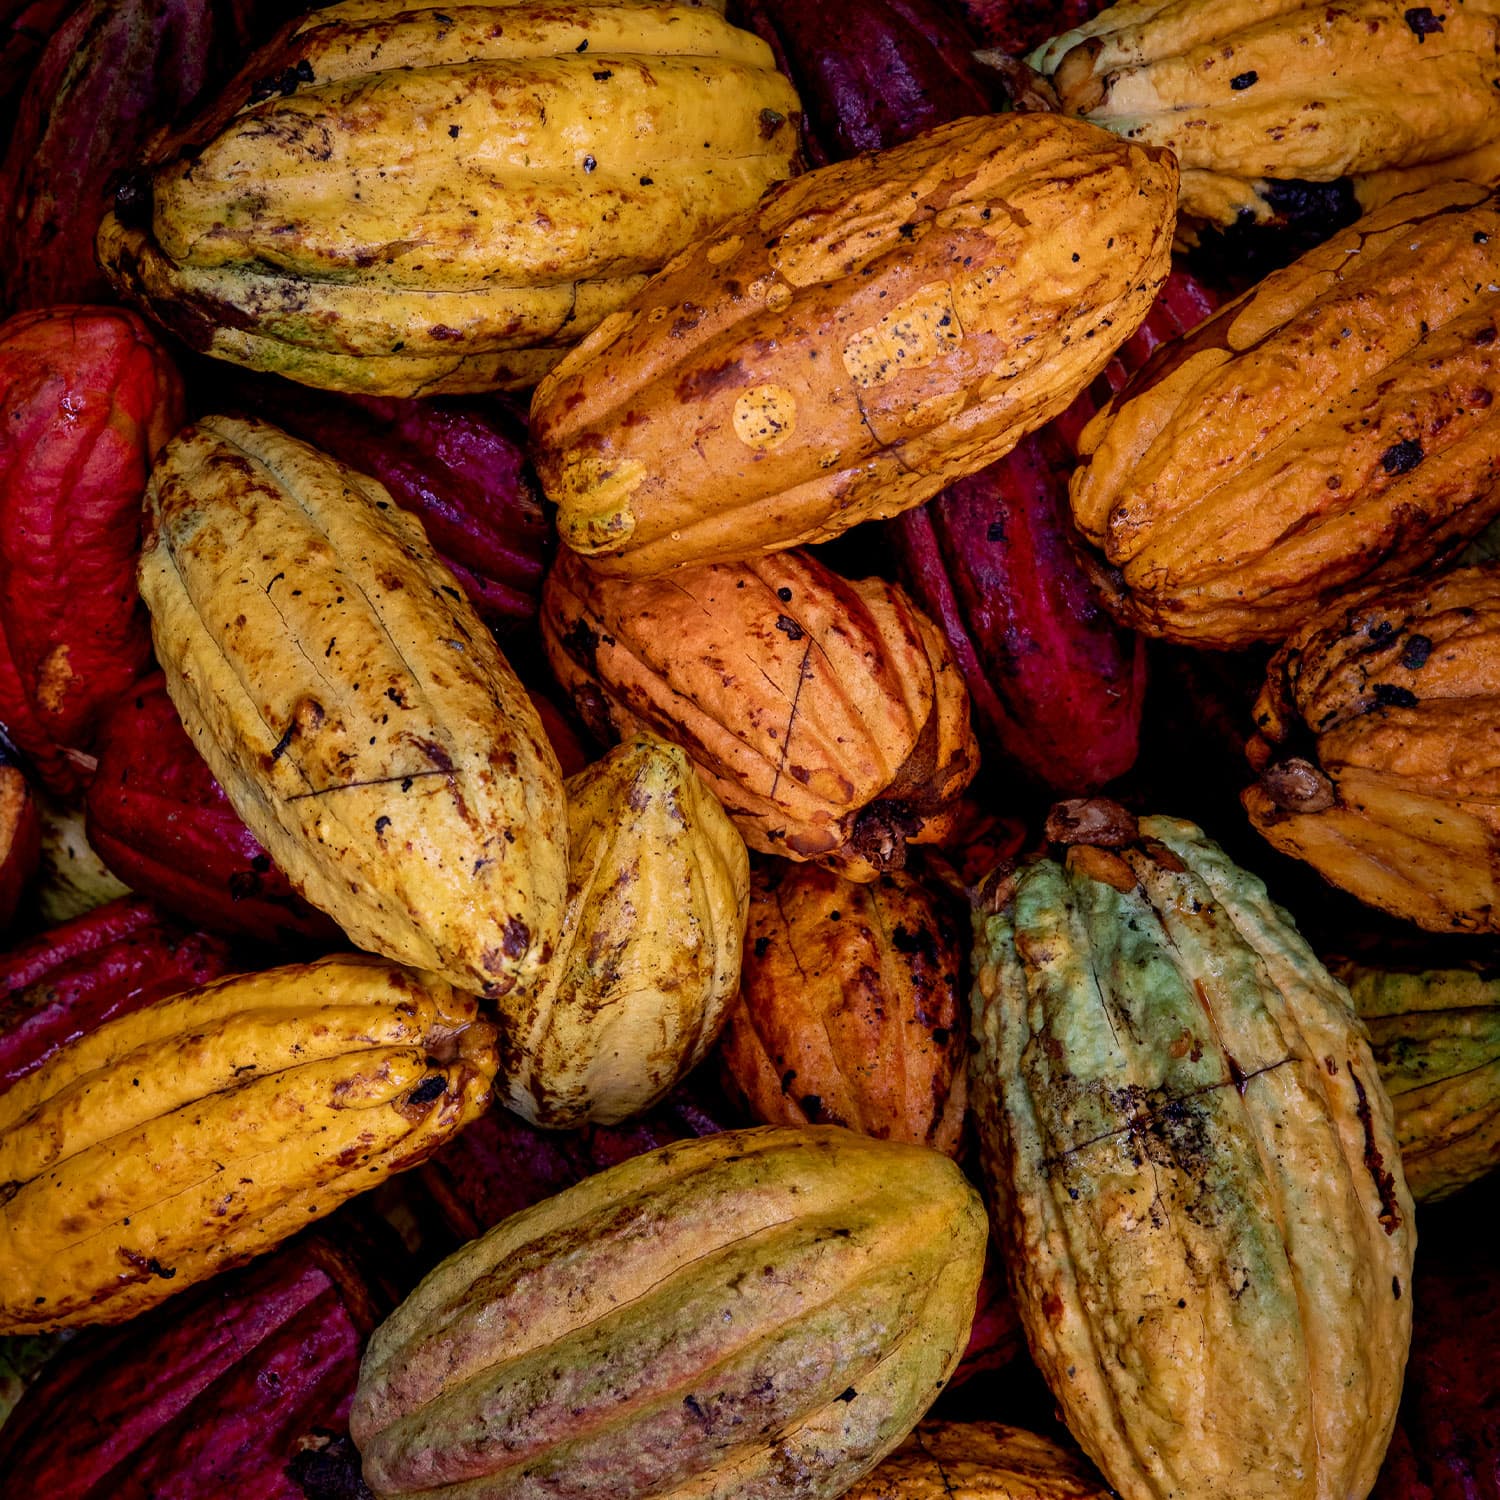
762, 1313
1436, 1037
1193, 1169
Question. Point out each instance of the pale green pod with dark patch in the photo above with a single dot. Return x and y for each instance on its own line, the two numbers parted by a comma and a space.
649, 959
1192, 1163
762, 1314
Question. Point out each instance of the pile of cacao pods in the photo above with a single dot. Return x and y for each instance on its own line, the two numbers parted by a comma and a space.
749, 755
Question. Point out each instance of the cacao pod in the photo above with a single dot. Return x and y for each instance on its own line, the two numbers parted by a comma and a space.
86, 399
1396, 689
353, 707
20, 835
518, 213
827, 716
1436, 1039
979, 1461
1233, 501
191, 1135
71, 979
903, 67
871, 332
159, 820
220, 1393
109, 73
590, 1333
71, 878
649, 956
459, 466
1249, 93
851, 1007
1193, 1169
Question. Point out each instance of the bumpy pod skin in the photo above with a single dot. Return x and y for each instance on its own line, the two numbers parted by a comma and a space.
871, 332
353, 707
418, 200
193, 1134
762, 1314
1436, 1039
1398, 691
1249, 92
851, 1007
1333, 426
1193, 1168
979, 1461
826, 715
649, 957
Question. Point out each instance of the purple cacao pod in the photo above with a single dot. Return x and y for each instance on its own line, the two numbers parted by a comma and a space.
875, 76
459, 465
1016, 26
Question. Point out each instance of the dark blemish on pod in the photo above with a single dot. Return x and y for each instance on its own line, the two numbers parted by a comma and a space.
1416, 652
1422, 22
789, 627
1402, 457
430, 1088
382, 823
1244, 80
1389, 695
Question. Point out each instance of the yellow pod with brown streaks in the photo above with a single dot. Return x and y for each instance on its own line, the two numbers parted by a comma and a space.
353, 707
1335, 425
192, 1135
1253, 94
419, 198
826, 715
1398, 692
979, 1461
851, 1008
650, 950
871, 332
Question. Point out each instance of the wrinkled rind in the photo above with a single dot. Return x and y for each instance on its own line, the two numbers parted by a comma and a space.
850, 1009
649, 959
443, 199
1334, 426
186, 1137
1246, 91
871, 332
826, 715
299, 616
1398, 689
1209, 1236
581, 1349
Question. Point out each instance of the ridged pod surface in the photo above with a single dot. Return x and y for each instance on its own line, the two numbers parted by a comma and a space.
1249, 92
979, 1461
353, 707
851, 1008
186, 1137
761, 1313
1436, 1038
826, 715
1335, 425
649, 958
417, 200
1193, 1171
871, 332
1397, 691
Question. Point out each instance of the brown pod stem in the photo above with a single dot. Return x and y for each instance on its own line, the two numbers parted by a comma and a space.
1091, 820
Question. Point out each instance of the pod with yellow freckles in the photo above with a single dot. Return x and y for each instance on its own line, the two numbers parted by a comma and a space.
650, 952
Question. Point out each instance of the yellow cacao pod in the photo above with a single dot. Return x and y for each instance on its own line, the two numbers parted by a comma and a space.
1250, 94
187, 1137
1192, 1168
1397, 690
979, 1461
851, 1008
871, 332
650, 950
759, 1313
1335, 425
827, 716
330, 671
418, 199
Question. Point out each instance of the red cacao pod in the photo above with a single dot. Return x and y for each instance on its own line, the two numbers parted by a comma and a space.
1016, 26
162, 823
20, 834
459, 465
25, 27
86, 398
217, 1394
874, 77
73, 978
